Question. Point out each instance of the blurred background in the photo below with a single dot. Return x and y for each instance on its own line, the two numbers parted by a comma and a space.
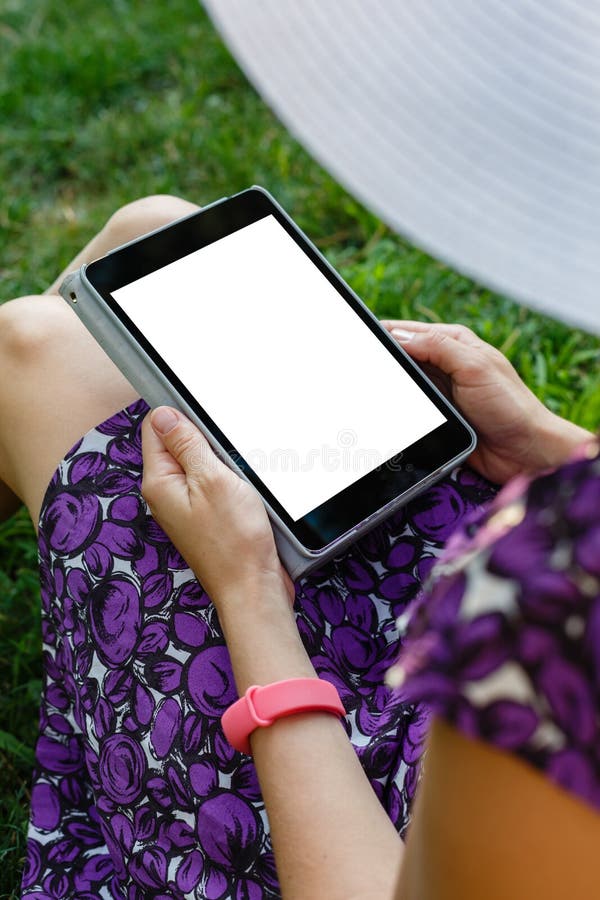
101, 103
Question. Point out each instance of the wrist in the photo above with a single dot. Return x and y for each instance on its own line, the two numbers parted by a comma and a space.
261, 634
261, 596
557, 439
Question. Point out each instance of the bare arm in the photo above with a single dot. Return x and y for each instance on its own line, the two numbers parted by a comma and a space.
488, 825
331, 836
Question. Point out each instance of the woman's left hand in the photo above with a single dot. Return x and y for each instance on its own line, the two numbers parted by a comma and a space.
216, 520
310, 776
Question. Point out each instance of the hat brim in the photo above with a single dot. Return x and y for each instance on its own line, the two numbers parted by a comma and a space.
471, 128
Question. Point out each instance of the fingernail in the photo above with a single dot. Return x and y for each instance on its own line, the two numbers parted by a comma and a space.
163, 419
402, 336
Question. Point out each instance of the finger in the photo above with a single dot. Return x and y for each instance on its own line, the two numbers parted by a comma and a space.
439, 348
442, 381
185, 443
409, 327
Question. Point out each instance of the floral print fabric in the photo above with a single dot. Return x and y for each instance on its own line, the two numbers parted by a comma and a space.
506, 642
136, 792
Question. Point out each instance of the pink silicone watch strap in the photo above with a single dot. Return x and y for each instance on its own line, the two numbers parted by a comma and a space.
262, 705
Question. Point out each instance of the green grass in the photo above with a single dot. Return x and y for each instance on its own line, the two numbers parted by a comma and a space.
104, 102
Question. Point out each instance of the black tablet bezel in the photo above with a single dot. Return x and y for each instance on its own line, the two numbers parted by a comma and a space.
364, 498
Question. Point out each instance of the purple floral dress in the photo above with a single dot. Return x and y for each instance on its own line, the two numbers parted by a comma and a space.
136, 792
506, 642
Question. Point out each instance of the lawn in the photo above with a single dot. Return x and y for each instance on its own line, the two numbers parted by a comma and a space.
104, 102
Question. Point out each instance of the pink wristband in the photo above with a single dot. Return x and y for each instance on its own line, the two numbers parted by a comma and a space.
262, 705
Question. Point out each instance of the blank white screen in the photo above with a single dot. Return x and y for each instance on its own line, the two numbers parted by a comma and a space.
300, 386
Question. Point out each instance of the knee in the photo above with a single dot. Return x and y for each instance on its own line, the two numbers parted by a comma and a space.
28, 326
144, 215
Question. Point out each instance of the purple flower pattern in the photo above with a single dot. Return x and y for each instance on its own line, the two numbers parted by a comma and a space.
505, 641
136, 792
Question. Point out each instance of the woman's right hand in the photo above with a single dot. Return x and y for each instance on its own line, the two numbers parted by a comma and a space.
516, 432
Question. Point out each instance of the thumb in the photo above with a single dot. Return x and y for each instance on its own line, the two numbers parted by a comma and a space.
185, 443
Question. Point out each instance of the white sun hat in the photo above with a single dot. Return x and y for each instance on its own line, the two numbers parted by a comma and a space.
470, 126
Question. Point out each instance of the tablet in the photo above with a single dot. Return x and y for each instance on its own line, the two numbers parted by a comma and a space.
293, 380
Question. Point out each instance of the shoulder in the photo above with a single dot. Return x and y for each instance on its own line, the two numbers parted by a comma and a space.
538, 541
504, 644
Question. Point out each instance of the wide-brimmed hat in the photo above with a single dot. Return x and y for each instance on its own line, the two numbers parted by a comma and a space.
471, 127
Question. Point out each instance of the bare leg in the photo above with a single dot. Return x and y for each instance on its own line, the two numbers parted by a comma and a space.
55, 381
129, 222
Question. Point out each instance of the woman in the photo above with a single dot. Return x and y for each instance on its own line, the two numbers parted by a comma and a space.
136, 792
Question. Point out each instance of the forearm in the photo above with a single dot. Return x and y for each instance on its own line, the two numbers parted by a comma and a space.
331, 836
